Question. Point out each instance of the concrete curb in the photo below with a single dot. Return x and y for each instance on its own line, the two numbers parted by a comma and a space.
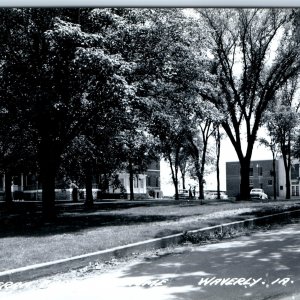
63, 265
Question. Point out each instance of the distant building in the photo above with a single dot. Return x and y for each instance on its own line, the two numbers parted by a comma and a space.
294, 178
28, 187
261, 176
144, 185
139, 186
153, 180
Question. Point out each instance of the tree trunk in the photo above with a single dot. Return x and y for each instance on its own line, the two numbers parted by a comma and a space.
245, 183
203, 161
49, 155
218, 148
199, 177
183, 180
200, 180
244, 160
48, 174
75, 194
131, 181
182, 168
89, 200
287, 176
274, 178
218, 180
176, 189
205, 137
201, 186
288, 185
8, 192
285, 151
174, 171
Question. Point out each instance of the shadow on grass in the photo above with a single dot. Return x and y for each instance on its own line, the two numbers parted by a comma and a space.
264, 211
26, 220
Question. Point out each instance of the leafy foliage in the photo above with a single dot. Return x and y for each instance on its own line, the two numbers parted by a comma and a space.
93, 90
282, 124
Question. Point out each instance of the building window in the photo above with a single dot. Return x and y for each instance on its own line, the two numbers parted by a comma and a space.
136, 182
261, 185
141, 183
259, 171
295, 172
295, 190
251, 172
270, 182
281, 187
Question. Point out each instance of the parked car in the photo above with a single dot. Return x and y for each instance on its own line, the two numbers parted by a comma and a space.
258, 194
223, 195
183, 194
214, 195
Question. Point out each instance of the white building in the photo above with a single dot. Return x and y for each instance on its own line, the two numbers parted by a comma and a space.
294, 178
139, 184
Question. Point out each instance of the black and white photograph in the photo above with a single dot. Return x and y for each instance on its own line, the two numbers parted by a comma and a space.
149, 152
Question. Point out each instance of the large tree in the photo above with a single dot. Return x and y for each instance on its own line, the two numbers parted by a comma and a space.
59, 71
251, 54
206, 116
171, 131
167, 71
282, 124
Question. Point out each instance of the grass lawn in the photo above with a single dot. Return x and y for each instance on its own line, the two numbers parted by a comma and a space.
26, 241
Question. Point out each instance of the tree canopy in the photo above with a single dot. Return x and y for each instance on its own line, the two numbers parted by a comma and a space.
78, 81
252, 54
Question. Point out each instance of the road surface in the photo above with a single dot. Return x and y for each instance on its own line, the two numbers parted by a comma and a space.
261, 266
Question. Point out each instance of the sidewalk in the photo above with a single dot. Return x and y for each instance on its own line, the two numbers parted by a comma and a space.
78, 233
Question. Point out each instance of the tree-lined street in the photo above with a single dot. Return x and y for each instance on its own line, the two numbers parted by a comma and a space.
96, 91
88, 95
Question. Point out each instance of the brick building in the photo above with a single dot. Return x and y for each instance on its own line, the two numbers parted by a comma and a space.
261, 176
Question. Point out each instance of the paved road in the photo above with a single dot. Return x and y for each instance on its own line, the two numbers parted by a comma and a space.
265, 265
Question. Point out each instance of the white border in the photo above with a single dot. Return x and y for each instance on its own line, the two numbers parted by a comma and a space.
151, 3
